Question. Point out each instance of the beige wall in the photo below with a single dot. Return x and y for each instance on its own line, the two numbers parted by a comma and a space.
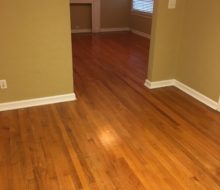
200, 62
114, 14
35, 49
165, 40
140, 23
185, 45
81, 16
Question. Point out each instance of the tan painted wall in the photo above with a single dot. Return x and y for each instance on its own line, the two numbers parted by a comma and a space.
165, 40
35, 49
81, 16
142, 24
185, 45
114, 14
200, 62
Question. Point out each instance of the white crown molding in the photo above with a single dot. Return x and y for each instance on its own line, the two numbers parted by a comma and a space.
141, 33
188, 90
74, 31
115, 29
37, 102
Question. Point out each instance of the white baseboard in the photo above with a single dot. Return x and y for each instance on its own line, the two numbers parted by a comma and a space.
114, 29
141, 33
75, 31
159, 84
37, 102
197, 95
188, 90
218, 109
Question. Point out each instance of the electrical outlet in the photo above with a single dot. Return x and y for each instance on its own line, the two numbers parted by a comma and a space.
3, 84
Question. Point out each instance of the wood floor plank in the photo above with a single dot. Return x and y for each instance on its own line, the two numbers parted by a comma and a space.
118, 135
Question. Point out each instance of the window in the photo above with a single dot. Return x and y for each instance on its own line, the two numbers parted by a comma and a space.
143, 6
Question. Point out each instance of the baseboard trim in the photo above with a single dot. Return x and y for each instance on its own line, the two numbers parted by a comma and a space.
37, 102
197, 95
114, 29
141, 33
188, 90
125, 29
75, 31
159, 84
218, 109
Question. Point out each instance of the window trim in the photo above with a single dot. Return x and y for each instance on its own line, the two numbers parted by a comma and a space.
140, 13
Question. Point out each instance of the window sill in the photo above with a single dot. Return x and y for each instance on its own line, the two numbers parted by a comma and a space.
141, 14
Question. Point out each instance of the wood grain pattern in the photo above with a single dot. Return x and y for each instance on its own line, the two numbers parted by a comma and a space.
117, 135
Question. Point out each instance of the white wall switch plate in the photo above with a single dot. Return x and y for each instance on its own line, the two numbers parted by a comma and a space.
172, 4
3, 84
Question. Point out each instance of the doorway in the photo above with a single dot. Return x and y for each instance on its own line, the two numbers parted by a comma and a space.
93, 52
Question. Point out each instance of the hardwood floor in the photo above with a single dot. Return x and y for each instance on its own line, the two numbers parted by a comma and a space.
117, 135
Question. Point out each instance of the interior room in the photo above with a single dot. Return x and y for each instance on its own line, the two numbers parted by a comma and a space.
110, 94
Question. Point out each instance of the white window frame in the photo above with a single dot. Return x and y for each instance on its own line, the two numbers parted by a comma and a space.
140, 13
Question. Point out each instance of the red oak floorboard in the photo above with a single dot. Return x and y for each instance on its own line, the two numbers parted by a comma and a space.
117, 135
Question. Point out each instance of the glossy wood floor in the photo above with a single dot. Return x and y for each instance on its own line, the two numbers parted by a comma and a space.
118, 135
